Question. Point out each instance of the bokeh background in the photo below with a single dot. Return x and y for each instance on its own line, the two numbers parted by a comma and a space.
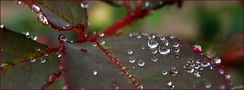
215, 25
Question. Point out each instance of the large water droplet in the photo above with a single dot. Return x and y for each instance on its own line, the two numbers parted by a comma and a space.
141, 63
164, 50
154, 59
132, 60
216, 60
42, 18
84, 4
152, 43
130, 52
94, 72
62, 37
36, 8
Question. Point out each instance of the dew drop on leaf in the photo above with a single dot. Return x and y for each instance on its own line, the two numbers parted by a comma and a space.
27, 34
154, 50
1, 26
164, 41
164, 50
94, 72
227, 76
35, 38
130, 52
141, 63
102, 42
152, 43
154, 59
36, 8
216, 60
43, 60
197, 48
139, 87
19, 2
42, 18
132, 60
33, 60
165, 73
84, 4
101, 34
207, 85
176, 45
62, 37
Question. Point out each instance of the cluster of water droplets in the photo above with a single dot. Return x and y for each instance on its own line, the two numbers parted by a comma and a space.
33, 37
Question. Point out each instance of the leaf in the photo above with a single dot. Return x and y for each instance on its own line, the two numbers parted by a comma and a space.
61, 15
16, 48
147, 4
169, 63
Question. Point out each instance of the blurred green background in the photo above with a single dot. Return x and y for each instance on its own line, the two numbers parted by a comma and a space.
215, 25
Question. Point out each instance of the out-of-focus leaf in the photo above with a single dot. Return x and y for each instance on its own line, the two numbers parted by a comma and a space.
33, 74
60, 14
157, 63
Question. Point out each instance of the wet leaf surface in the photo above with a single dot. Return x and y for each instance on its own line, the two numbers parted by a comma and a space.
33, 74
61, 15
156, 62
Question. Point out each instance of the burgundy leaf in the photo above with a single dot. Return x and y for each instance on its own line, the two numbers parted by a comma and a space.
156, 62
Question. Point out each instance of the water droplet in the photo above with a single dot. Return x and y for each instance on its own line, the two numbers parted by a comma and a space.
84, 4
154, 50
19, 2
1, 26
154, 59
130, 35
151, 36
171, 37
132, 60
190, 70
36, 8
35, 38
46, 55
197, 48
147, 4
141, 62
164, 41
115, 85
94, 72
101, 34
205, 64
177, 56
227, 76
42, 18
165, 73
130, 52
33, 60
59, 55
152, 43
94, 44
177, 50
196, 73
138, 36
169, 83
173, 72
102, 42
3, 64
66, 27
176, 45
164, 50
43, 60
139, 87
62, 37
216, 60
221, 71
27, 34
207, 85
142, 47
38, 49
